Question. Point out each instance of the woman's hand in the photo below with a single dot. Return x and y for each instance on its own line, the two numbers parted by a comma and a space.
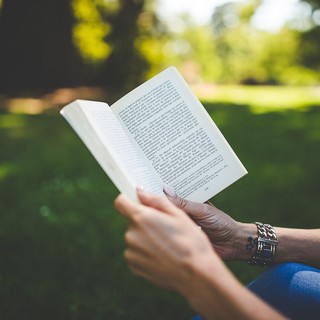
167, 248
164, 244
226, 235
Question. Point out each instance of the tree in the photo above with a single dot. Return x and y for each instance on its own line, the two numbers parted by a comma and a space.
37, 53
66, 43
254, 56
126, 65
310, 44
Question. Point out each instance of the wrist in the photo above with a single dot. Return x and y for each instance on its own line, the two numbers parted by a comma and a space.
209, 283
198, 269
292, 246
256, 243
267, 243
244, 244
215, 293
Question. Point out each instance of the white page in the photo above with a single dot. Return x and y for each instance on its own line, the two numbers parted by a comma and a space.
99, 129
180, 141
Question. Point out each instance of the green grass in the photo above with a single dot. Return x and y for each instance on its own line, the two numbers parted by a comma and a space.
61, 241
261, 99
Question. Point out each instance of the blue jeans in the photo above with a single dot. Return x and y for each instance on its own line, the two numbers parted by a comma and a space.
291, 288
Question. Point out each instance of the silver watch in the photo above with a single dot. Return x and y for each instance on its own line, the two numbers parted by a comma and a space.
266, 245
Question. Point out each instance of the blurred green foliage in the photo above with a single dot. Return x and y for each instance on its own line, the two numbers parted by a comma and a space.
61, 241
90, 29
262, 98
72, 43
231, 50
117, 44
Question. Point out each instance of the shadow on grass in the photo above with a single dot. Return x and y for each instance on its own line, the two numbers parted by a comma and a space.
61, 240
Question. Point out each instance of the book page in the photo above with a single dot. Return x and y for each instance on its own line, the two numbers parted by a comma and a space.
178, 137
99, 129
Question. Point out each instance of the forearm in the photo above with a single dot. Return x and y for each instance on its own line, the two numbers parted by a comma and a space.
299, 245
216, 294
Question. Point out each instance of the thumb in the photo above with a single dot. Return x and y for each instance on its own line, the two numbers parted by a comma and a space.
160, 203
193, 209
127, 207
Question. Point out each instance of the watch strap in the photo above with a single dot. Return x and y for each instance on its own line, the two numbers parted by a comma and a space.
266, 245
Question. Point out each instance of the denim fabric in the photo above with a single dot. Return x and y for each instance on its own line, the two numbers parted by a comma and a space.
291, 288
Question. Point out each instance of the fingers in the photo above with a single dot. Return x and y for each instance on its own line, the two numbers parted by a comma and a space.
210, 204
126, 207
168, 205
157, 202
141, 269
194, 209
150, 206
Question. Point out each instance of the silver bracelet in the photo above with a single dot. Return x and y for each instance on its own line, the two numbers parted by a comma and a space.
266, 245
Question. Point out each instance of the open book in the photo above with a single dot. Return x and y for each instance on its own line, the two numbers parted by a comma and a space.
158, 134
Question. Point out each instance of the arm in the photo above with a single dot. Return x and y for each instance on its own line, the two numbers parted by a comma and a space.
230, 238
299, 245
168, 249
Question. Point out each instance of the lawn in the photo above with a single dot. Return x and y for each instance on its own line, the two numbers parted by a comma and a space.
61, 241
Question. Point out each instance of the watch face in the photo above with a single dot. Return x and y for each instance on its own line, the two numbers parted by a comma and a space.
266, 245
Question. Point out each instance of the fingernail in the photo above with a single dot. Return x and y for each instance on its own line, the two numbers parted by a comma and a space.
169, 191
141, 189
